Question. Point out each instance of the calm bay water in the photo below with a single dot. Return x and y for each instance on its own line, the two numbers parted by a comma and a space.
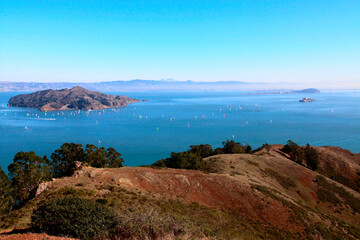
148, 131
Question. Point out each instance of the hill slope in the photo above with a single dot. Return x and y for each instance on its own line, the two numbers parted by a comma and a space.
76, 98
261, 195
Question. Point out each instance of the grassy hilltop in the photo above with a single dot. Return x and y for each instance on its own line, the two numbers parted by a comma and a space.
271, 193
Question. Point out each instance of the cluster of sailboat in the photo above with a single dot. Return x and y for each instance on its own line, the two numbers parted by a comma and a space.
223, 110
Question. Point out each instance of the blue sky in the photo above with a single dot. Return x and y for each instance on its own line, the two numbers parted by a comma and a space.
267, 41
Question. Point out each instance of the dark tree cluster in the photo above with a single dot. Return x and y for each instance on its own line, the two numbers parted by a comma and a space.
230, 147
66, 158
6, 201
28, 170
307, 155
193, 158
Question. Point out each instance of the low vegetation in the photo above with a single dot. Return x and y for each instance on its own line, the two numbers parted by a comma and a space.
86, 208
332, 193
75, 217
285, 182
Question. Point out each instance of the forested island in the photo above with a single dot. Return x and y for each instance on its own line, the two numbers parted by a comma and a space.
76, 98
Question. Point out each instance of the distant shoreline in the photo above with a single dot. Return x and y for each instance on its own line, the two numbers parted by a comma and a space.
152, 86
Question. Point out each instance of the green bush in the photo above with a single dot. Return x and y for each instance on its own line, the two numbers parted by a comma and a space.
75, 217
151, 224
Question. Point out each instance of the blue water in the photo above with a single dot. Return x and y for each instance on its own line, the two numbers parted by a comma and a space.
148, 131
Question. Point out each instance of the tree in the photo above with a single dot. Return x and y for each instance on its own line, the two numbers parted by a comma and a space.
182, 160
233, 147
27, 171
218, 151
311, 157
296, 153
203, 150
6, 201
289, 147
64, 159
248, 148
114, 158
100, 158
96, 157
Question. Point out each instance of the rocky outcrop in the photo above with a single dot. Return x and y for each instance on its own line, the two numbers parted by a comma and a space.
76, 98
42, 187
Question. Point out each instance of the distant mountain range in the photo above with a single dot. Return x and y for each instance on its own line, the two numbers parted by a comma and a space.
139, 85
135, 85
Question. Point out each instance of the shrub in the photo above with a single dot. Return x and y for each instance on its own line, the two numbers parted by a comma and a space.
266, 146
151, 224
285, 182
103, 201
75, 217
330, 192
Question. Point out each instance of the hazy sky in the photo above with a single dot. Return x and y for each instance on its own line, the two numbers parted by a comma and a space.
268, 41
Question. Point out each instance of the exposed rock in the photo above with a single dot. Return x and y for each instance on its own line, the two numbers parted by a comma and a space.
42, 187
76, 98
78, 164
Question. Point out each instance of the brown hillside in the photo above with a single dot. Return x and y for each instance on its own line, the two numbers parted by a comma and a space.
261, 195
76, 98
